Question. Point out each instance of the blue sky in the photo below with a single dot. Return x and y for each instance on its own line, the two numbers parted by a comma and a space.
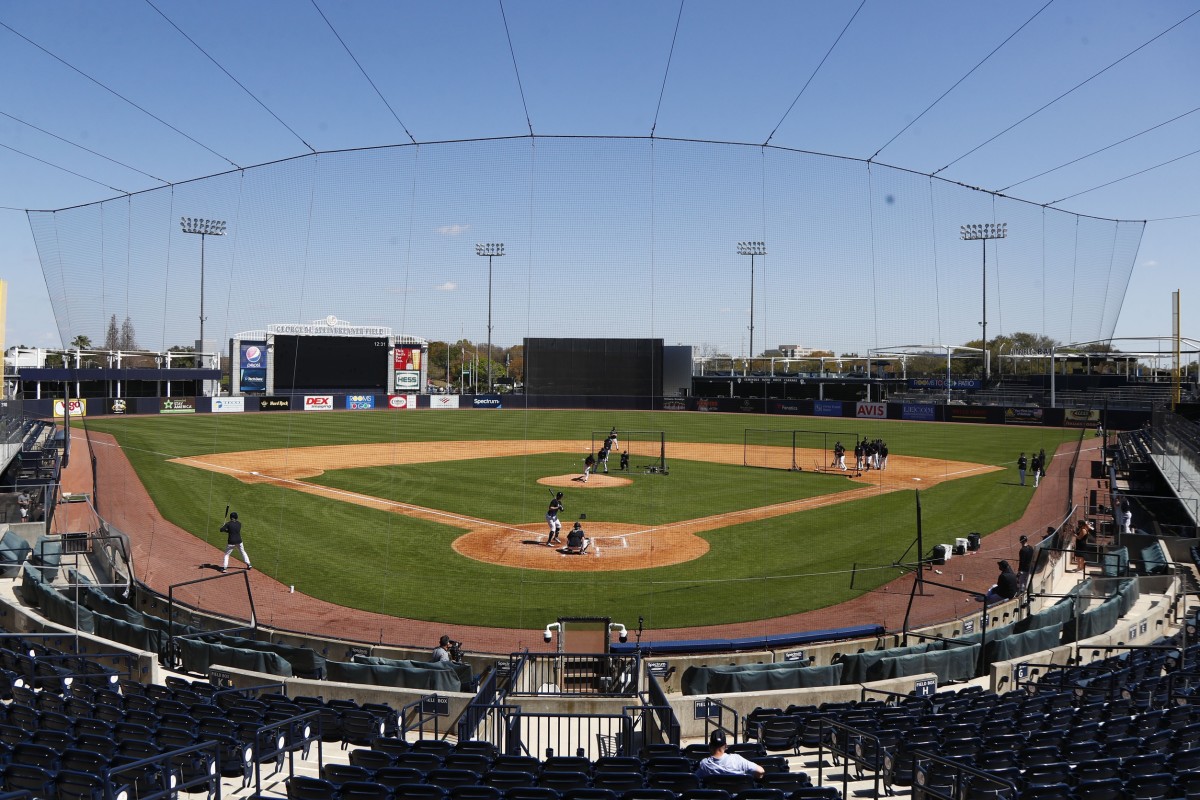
597, 69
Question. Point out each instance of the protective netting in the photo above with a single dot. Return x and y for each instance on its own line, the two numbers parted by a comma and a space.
604, 237
629, 237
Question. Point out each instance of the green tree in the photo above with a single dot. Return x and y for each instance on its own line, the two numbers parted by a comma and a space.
127, 340
81, 342
112, 336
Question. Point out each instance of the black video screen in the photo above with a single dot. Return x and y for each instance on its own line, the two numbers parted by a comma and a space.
331, 363
624, 367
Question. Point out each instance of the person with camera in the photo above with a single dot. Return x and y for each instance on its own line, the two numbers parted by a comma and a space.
447, 650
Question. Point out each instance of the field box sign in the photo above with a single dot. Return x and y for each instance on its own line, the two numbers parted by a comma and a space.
706, 709
657, 668
925, 687
435, 705
794, 655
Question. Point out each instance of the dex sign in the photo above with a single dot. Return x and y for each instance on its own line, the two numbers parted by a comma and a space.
318, 402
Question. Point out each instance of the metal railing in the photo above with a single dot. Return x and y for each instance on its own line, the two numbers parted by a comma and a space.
569, 674
161, 776
279, 740
851, 747
666, 728
957, 771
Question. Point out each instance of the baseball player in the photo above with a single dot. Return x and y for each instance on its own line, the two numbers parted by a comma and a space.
577, 541
612, 440
556, 506
858, 455
602, 457
839, 456
588, 463
233, 527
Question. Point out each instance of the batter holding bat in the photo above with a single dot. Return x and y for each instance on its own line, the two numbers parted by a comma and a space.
233, 527
556, 506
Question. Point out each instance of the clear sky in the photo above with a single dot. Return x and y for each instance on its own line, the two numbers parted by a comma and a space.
446, 71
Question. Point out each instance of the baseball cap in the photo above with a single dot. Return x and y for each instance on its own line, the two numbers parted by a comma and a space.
1024, 538
717, 739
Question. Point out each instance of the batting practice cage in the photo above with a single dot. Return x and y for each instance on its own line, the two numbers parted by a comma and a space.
368, 406
795, 450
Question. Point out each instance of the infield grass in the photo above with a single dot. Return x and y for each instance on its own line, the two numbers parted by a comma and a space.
384, 562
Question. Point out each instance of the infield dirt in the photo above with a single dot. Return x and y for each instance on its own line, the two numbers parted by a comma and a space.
616, 546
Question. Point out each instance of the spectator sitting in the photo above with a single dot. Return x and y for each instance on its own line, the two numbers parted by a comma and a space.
720, 762
1005, 588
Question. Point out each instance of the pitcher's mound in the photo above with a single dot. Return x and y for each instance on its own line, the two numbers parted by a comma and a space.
593, 481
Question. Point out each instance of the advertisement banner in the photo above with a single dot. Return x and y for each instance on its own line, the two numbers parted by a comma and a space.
274, 404
940, 383
252, 366
786, 407
827, 408
922, 412
706, 404
1022, 416
117, 405
402, 401
674, 404
408, 381
76, 407
1081, 417
486, 401
443, 401
407, 358
360, 402
871, 410
966, 414
228, 405
318, 402
177, 405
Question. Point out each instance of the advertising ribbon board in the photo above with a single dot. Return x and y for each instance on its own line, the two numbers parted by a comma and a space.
274, 404
252, 366
1081, 417
940, 383
966, 414
871, 410
228, 405
443, 401
402, 401
318, 402
921, 412
76, 407
1022, 416
360, 402
827, 408
177, 405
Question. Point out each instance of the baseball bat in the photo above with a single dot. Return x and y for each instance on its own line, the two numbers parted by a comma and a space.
226, 511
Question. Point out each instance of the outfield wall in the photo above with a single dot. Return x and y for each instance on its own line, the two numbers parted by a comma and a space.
841, 409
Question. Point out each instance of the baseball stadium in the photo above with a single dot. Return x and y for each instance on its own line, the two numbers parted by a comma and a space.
477, 469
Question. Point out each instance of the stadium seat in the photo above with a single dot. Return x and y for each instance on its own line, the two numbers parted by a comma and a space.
677, 782
476, 792
1102, 789
363, 790
301, 787
337, 774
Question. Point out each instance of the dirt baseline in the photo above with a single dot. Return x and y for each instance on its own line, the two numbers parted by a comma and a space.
616, 546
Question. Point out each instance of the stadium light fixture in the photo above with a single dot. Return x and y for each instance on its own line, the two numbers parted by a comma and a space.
491, 250
203, 228
983, 232
751, 249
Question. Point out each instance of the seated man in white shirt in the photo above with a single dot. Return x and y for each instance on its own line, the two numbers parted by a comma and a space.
723, 763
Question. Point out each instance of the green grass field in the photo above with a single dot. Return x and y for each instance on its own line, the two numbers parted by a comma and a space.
394, 564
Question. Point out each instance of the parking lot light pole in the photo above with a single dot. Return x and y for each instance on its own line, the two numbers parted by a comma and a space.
202, 228
491, 250
988, 230
751, 249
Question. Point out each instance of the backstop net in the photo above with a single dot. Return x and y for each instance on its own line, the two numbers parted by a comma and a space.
796, 450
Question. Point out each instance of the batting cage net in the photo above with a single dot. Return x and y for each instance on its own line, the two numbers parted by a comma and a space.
362, 316
796, 450
646, 450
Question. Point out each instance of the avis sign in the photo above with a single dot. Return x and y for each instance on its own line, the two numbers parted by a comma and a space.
871, 410
318, 402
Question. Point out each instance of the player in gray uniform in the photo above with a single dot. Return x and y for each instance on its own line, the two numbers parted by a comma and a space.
602, 457
556, 506
233, 527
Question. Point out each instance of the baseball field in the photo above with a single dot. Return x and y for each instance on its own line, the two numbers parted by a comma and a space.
438, 515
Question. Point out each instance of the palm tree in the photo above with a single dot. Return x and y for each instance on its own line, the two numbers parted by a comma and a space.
82, 342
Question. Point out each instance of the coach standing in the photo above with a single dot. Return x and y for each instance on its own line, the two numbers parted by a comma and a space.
1022, 465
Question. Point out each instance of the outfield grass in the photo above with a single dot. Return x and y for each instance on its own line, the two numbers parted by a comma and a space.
393, 564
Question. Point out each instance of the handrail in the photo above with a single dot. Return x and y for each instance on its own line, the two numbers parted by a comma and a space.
848, 754
960, 769
286, 744
170, 789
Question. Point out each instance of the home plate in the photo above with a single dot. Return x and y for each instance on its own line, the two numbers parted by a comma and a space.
916, 479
